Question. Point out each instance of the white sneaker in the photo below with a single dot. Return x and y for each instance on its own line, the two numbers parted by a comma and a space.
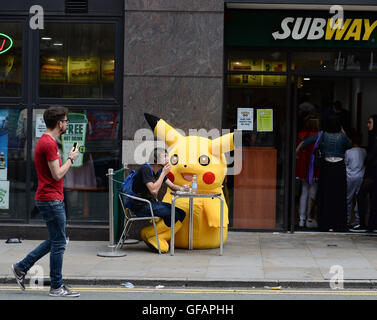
301, 223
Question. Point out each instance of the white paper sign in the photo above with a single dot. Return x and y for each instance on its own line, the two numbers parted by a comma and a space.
40, 126
4, 195
245, 119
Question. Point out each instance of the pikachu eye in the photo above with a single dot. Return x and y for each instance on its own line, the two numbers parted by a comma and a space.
204, 160
174, 159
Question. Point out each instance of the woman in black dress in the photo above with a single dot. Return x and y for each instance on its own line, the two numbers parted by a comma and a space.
332, 185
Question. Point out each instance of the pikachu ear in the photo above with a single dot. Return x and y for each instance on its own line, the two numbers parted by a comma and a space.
222, 144
163, 130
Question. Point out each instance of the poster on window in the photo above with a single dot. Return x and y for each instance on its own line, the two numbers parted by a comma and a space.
103, 125
3, 144
245, 119
4, 195
265, 120
40, 126
76, 132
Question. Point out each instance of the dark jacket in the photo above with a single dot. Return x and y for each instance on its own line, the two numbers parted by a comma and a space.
331, 144
371, 159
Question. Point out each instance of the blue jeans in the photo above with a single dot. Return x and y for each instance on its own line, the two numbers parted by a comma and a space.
353, 187
53, 213
162, 210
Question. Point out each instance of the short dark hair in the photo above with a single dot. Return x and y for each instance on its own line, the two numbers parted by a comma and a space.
333, 124
157, 152
53, 115
357, 138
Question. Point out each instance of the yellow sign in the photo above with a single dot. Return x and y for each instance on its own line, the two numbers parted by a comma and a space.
83, 69
265, 122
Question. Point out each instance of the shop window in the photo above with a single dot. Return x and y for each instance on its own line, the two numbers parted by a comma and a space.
10, 59
77, 60
257, 61
86, 184
252, 80
256, 195
13, 133
335, 61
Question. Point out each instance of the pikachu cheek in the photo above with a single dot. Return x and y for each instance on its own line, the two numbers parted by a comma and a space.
209, 178
171, 176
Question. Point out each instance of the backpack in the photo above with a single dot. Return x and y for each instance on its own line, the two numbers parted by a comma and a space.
127, 188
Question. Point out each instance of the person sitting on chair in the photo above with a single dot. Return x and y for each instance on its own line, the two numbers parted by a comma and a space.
146, 185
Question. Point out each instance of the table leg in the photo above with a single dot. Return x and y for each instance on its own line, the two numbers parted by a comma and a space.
172, 226
221, 224
191, 227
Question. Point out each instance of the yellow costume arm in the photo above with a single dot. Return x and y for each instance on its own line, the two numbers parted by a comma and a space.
212, 212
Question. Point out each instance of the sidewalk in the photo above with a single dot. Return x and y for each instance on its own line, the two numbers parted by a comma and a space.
299, 260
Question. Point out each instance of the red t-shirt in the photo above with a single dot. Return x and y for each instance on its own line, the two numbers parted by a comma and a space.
303, 156
48, 188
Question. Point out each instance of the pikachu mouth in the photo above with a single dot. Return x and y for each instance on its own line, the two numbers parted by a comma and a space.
187, 176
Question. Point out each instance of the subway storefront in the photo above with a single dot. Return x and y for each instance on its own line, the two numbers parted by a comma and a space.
75, 60
282, 65
217, 64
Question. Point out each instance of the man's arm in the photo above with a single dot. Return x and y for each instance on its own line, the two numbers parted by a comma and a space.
58, 172
172, 186
154, 187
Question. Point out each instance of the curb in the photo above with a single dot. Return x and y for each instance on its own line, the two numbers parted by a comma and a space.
251, 284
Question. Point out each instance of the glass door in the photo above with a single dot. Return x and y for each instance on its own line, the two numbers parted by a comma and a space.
353, 100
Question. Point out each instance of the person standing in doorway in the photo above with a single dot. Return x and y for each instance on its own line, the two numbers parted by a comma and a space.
308, 187
332, 184
354, 160
49, 199
369, 185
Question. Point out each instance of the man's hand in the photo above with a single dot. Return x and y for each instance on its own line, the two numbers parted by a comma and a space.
166, 169
74, 153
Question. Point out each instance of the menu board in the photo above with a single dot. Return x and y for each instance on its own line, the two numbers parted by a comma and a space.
246, 65
257, 65
6, 65
107, 69
54, 69
249, 80
83, 69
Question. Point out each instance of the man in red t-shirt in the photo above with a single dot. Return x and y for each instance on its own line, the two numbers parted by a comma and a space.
49, 200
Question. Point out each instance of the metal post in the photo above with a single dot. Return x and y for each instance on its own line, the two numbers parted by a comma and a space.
191, 222
110, 175
221, 224
113, 253
172, 226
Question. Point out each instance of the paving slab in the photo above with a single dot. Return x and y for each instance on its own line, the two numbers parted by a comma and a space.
249, 259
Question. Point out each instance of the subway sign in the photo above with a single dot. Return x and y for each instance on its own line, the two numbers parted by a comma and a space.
317, 28
306, 29
6, 43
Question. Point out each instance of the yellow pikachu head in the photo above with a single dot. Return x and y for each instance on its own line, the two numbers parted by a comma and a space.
191, 155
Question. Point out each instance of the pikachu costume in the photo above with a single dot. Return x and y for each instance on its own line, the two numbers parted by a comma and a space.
204, 157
